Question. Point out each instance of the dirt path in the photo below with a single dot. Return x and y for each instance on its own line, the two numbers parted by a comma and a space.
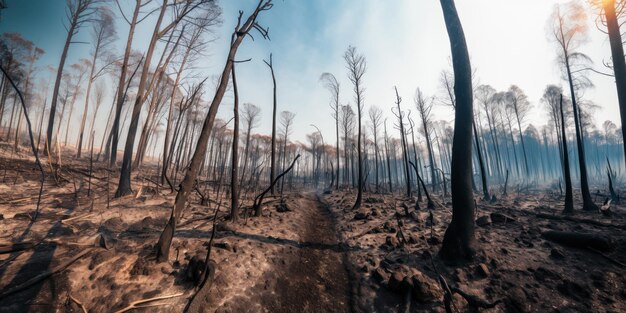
316, 279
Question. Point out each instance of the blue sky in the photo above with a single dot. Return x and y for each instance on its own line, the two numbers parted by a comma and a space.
404, 41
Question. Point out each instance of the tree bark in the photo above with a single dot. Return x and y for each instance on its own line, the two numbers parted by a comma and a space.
234, 178
57, 82
569, 200
124, 186
122, 86
165, 240
619, 64
459, 242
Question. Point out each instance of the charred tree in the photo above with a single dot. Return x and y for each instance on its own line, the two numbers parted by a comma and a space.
186, 186
569, 199
79, 12
270, 64
459, 241
356, 66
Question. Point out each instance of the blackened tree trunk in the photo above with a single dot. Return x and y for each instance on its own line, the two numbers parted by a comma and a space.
186, 186
588, 204
619, 64
121, 87
356, 68
57, 83
481, 165
404, 145
388, 159
569, 200
273, 152
124, 186
234, 179
459, 242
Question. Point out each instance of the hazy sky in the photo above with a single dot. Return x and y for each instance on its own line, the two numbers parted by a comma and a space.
404, 42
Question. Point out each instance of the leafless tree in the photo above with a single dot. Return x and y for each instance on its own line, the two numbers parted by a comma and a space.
78, 13
182, 9
331, 83
251, 115
569, 30
424, 107
186, 186
517, 102
356, 65
376, 115
103, 35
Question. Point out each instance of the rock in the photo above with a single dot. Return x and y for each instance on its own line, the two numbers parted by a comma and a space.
483, 221
574, 290
416, 216
282, 207
22, 216
392, 242
433, 240
395, 281
406, 285
425, 289
501, 218
460, 275
64, 231
224, 245
222, 227
516, 301
371, 260
389, 228
373, 200
103, 241
482, 270
114, 224
557, 254
360, 216
380, 276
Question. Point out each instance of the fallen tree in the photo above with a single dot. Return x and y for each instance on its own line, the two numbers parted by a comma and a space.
580, 240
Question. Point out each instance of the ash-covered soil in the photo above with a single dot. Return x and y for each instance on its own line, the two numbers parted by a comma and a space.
318, 255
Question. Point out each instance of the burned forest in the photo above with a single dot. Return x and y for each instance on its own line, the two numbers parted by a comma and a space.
312, 156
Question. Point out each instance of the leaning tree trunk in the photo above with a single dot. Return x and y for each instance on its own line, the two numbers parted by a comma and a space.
124, 186
186, 186
57, 82
122, 86
87, 94
569, 200
459, 242
619, 64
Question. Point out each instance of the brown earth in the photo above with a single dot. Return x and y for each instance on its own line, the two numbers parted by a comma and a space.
319, 256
